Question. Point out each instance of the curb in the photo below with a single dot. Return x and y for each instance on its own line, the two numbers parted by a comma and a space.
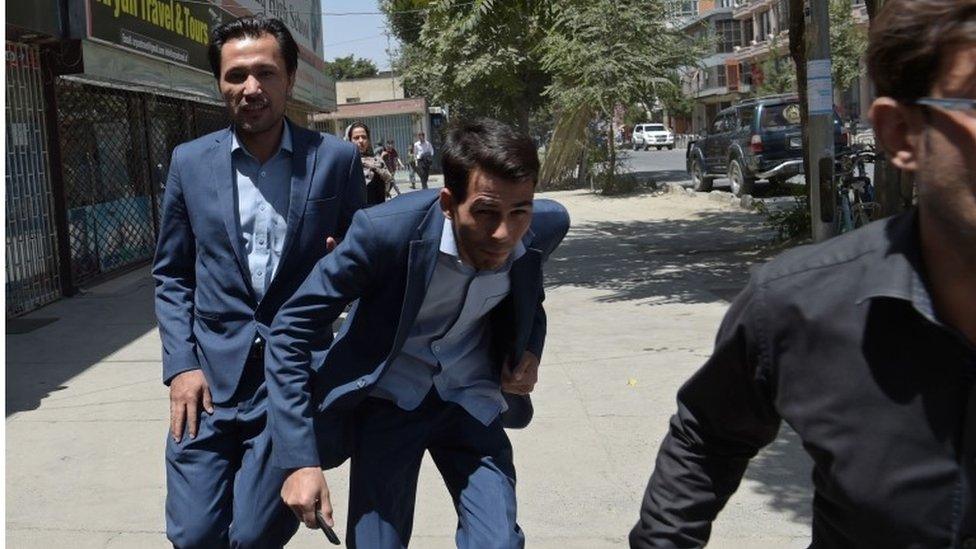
745, 202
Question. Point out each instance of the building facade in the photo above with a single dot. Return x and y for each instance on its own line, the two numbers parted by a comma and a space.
98, 93
747, 34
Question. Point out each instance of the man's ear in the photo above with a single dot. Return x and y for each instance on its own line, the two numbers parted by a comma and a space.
896, 131
447, 202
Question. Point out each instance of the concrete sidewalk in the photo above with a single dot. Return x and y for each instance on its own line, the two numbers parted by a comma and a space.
635, 295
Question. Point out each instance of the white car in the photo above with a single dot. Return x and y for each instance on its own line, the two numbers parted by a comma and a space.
652, 135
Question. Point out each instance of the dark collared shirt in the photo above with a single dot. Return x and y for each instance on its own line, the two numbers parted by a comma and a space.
841, 341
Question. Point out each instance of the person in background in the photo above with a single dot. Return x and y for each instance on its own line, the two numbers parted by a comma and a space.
392, 159
424, 153
377, 177
412, 167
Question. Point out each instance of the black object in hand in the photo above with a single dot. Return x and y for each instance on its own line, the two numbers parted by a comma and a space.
329, 532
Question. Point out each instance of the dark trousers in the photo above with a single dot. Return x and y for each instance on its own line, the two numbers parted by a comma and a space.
423, 170
221, 488
475, 462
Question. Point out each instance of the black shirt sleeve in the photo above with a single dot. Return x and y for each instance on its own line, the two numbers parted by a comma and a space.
725, 415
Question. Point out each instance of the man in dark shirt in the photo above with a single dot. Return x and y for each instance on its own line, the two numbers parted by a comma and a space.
866, 344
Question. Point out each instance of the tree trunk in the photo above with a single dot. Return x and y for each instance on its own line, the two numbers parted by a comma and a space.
798, 51
612, 148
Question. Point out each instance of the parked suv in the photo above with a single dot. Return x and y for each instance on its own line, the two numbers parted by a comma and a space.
755, 139
652, 135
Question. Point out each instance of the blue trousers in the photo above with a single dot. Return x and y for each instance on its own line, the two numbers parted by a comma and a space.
222, 489
475, 462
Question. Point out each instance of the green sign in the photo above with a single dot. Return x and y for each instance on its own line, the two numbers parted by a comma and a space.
173, 30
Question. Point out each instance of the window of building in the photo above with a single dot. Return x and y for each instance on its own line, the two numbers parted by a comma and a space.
729, 34
352, 100
727, 3
782, 14
685, 7
721, 78
747, 32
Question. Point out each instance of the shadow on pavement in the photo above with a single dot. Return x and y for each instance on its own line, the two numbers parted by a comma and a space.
663, 260
783, 471
86, 329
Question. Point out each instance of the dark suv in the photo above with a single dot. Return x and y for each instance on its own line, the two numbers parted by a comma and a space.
755, 139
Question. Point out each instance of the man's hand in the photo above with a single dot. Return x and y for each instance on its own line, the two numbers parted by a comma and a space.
186, 393
305, 490
522, 379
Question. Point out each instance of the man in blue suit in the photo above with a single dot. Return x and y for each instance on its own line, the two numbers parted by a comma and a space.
247, 213
439, 353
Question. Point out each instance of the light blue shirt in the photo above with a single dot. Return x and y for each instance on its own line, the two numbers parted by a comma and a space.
263, 196
449, 345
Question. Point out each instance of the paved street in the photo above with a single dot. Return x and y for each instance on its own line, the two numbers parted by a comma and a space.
634, 297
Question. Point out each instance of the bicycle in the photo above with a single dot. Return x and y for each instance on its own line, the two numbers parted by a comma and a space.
856, 205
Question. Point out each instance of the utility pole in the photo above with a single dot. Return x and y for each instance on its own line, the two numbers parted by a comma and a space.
820, 103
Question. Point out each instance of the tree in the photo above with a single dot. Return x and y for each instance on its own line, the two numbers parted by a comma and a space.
344, 68
477, 58
595, 63
848, 43
406, 18
778, 74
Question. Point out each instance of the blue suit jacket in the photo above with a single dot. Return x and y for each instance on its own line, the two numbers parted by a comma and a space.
386, 262
206, 309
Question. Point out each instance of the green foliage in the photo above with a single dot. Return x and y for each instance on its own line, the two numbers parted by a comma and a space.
635, 114
343, 68
779, 74
793, 222
673, 97
594, 60
848, 43
479, 58
406, 18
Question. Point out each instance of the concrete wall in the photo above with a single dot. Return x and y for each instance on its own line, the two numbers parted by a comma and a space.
366, 90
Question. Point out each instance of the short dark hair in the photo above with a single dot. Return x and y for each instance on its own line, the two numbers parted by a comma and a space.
491, 146
253, 27
909, 42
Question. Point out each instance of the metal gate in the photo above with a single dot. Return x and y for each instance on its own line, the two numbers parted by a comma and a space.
31, 253
116, 146
111, 221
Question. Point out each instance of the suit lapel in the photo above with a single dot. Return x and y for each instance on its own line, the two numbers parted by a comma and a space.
524, 277
303, 165
224, 181
420, 269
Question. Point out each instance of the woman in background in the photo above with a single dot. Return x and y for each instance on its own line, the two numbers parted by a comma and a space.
378, 178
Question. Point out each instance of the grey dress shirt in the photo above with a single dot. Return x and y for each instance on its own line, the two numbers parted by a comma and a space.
263, 196
449, 344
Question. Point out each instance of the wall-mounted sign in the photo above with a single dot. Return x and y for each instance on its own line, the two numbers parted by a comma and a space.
172, 30
178, 31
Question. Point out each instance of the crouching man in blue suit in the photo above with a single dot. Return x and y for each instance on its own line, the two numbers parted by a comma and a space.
439, 354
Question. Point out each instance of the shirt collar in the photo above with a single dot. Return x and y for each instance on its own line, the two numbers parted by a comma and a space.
449, 247
900, 272
286, 144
